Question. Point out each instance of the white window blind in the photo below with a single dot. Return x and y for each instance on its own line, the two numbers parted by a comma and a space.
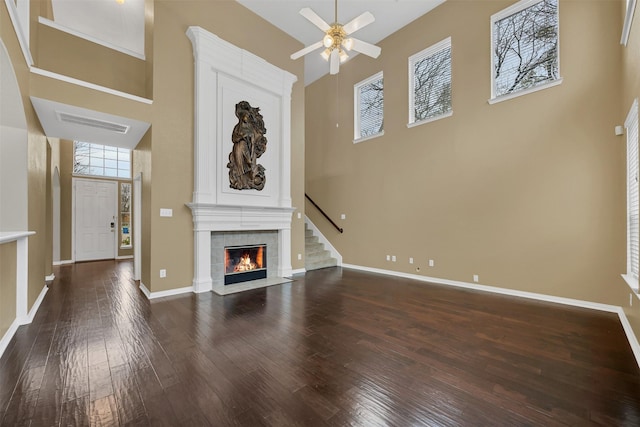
369, 107
633, 224
430, 83
525, 46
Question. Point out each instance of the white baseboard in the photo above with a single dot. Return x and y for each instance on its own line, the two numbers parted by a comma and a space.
171, 292
124, 257
145, 290
631, 336
36, 306
50, 278
4, 341
628, 330
298, 271
327, 244
67, 261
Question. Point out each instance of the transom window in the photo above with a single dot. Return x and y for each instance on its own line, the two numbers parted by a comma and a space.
369, 108
525, 47
101, 160
430, 83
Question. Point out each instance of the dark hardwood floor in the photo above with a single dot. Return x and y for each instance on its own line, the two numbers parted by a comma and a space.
337, 347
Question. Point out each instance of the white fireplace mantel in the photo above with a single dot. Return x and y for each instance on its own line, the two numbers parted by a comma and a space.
224, 76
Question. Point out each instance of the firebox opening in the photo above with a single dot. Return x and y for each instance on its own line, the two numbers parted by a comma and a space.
244, 263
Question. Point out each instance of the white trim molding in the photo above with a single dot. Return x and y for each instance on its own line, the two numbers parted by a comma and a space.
6, 339
298, 271
23, 36
56, 26
93, 86
35, 306
628, 330
50, 278
63, 262
628, 20
161, 294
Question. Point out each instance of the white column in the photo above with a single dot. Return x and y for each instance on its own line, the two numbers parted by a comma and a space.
205, 125
202, 261
22, 279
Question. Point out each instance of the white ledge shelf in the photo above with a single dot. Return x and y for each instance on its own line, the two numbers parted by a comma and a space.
10, 236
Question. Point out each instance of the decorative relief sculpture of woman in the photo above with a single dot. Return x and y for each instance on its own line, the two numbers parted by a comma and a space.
249, 143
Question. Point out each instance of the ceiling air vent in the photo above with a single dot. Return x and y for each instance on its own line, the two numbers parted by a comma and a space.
91, 122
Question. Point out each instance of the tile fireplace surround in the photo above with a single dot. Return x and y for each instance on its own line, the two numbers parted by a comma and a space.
224, 76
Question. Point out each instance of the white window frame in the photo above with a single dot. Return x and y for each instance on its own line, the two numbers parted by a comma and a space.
415, 58
512, 10
356, 109
117, 177
632, 173
628, 20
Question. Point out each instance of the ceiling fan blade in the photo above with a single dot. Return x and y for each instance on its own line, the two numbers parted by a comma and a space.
314, 18
308, 49
358, 23
366, 48
334, 64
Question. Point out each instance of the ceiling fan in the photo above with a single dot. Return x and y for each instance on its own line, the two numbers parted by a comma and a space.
337, 41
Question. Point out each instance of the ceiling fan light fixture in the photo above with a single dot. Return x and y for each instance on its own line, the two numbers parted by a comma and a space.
327, 41
120, 1
343, 56
347, 43
326, 54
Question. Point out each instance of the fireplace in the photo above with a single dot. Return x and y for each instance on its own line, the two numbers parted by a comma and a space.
224, 216
244, 263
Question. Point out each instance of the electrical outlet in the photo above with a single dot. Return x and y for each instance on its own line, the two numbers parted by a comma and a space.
410, 260
166, 212
393, 258
388, 257
431, 263
163, 273
475, 278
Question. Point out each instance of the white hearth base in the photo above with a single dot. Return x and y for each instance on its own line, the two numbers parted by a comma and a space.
246, 286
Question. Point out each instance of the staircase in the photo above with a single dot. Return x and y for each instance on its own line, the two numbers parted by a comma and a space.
316, 256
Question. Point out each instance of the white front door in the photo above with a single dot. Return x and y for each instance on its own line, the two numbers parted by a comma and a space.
95, 219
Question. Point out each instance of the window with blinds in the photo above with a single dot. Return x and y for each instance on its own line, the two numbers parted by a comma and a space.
369, 108
524, 43
633, 224
430, 83
101, 160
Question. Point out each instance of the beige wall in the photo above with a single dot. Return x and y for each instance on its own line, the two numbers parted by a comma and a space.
172, 155
72, 56
630, 91
7, 286
526, 193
